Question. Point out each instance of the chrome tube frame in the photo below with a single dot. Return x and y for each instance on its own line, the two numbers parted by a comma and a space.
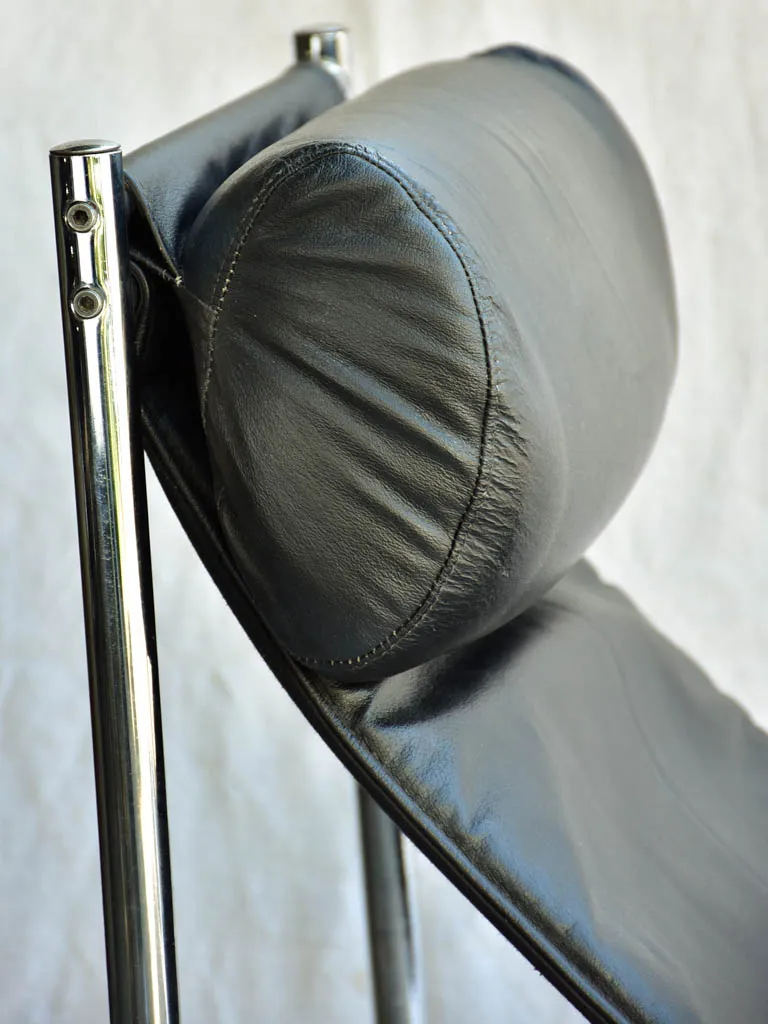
392, 932
328, 47
88, 202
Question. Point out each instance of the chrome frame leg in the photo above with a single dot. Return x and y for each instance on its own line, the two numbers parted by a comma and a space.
87, 181
391, 918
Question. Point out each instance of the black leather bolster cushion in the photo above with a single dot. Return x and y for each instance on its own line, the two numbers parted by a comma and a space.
434, 334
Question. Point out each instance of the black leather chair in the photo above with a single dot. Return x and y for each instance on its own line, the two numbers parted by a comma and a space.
398, 360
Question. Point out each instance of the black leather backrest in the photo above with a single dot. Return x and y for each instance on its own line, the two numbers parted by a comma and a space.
434, 332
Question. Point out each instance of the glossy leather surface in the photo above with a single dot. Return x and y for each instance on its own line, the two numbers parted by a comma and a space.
573, 773
205, 152
606, 798
435, 332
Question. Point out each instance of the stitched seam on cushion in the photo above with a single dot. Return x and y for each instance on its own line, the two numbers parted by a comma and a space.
426, 206
282, 173
447, 230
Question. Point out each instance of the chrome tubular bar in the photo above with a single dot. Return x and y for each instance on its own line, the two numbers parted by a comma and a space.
87, 181
391, 919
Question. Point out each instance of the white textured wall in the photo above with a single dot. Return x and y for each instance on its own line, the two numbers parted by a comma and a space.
266, 869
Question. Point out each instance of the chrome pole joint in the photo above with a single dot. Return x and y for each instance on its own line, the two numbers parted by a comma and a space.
329, 47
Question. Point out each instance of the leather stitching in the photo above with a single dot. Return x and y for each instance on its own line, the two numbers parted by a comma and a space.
281, 174
450, 234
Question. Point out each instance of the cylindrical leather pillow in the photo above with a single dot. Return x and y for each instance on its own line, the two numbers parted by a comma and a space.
434, 332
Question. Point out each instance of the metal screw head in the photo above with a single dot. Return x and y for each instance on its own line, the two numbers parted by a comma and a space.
82, 216
87, 302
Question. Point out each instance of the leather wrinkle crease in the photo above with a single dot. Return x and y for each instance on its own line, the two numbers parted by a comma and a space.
301, 163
